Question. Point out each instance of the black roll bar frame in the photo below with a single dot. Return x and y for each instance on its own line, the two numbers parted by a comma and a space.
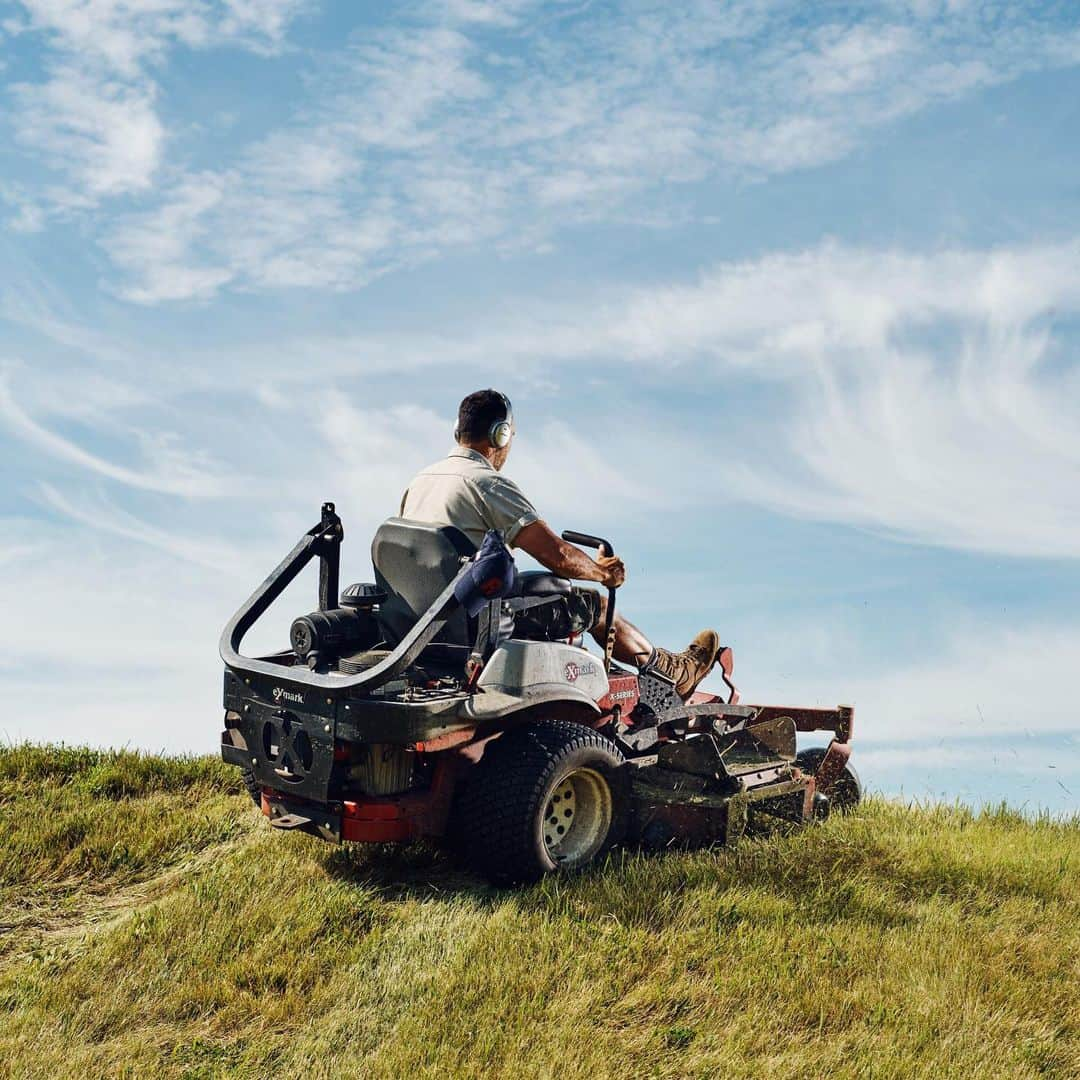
324, 540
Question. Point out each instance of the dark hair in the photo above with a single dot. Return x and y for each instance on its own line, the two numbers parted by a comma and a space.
477, 413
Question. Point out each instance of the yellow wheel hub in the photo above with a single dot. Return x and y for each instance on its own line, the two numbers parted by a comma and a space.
577, 817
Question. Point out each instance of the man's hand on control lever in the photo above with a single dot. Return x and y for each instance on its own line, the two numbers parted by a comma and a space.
567, 560
612, 569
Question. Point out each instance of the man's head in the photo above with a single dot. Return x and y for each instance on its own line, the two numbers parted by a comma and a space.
485, 424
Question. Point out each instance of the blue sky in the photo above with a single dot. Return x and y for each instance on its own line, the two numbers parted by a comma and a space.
787, 298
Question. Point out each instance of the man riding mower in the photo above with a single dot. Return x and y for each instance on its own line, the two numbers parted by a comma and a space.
453, 698
467, 491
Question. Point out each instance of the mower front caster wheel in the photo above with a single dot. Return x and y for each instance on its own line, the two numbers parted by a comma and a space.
846, 791
552, 795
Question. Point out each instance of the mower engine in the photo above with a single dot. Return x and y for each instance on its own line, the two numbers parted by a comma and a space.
321, 638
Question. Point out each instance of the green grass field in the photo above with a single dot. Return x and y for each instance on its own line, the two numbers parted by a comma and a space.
152, 925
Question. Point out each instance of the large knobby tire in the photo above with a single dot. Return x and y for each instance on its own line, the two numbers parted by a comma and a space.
552, 795
254, 789
846, 792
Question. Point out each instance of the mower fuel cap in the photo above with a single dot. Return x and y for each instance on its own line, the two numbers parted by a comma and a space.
362, 595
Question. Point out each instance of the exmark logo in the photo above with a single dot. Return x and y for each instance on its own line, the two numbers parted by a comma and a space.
573, 670
281, 694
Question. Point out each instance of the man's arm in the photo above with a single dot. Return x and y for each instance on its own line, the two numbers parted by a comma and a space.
565, 559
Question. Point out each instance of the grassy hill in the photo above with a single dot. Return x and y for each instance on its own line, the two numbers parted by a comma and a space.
151, 925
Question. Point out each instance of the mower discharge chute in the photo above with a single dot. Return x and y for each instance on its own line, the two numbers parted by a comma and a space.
395, 716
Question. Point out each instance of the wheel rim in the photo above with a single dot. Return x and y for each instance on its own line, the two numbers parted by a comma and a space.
577, 817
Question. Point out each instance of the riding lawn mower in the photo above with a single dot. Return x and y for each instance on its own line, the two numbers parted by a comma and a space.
396, 716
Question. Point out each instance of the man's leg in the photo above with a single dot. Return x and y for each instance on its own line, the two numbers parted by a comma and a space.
685, 669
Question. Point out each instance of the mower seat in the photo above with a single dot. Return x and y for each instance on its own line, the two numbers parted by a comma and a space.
539, 583
414, 561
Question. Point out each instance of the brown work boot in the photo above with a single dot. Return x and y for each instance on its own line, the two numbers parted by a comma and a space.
690, 666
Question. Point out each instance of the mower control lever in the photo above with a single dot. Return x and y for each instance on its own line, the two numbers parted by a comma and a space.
605, 548
585, 540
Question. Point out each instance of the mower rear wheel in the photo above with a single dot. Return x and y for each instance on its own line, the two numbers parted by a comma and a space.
550, 796
846, 791
254, 789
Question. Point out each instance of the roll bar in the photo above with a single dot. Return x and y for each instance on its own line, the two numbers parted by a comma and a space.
324, 540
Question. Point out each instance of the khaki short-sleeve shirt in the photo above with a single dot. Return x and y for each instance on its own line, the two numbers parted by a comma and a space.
466, 491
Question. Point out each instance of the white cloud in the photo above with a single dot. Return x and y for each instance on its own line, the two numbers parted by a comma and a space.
781, 313
156, 246
978, 453
934, 400
168, 468
94, 116
135, 609
261, 25
123, 35
614, 463
496, 13
934, 397
496, 123
990, 681
923, 395
10, 553
373, 453
100, 515
103, 133
928, 396
849, 58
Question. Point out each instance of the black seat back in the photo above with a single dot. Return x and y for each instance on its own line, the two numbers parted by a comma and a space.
414, 561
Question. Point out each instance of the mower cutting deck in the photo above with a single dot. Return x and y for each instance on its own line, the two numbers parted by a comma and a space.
394, 717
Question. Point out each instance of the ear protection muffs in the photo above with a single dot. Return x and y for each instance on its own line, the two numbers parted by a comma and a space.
500, 432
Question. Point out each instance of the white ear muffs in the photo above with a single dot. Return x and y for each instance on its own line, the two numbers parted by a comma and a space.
500, 433
502, 430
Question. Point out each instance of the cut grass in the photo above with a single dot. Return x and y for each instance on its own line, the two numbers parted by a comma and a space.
156, 927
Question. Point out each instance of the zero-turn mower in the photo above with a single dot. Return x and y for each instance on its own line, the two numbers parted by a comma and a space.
394, 716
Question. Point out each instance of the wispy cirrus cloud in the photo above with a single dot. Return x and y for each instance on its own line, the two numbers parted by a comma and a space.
471, 122
100, 515
930, 396
167, 467
934, 397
